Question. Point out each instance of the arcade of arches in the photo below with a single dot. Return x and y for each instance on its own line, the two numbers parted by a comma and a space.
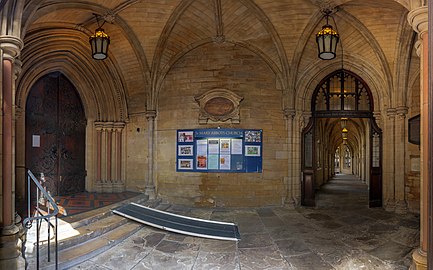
347, 115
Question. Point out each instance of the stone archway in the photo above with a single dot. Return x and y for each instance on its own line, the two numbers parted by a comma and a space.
340, 95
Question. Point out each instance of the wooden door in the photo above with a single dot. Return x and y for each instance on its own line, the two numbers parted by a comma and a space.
308, 154
55, 134
375, 187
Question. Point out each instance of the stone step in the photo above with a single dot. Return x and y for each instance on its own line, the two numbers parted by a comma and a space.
89, 217
95, 226
81, 227
76, 254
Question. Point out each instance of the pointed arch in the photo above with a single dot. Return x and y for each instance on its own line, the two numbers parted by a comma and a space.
342, 91
167, 56
103, 96
38, 9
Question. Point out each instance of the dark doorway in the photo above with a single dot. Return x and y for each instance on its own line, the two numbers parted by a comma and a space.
55, 134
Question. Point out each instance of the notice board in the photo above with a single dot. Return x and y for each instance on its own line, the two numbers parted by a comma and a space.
219, 150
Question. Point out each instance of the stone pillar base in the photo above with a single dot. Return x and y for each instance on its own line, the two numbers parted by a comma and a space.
419, 260
389, 206
109, 187
289, 202
10, 250
401, 207
150, 191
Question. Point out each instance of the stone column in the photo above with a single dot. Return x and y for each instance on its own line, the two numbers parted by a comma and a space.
418, 18
150, 184
108, 147
388, 160
118, 157
429, 184
10, 248
109, 157
399, 160
117, 179
98, 152
290, 199
7, 218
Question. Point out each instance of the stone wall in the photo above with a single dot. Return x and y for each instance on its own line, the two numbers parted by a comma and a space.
231, 67
136, 153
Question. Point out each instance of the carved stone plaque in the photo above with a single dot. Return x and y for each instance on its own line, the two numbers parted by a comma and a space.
219, 105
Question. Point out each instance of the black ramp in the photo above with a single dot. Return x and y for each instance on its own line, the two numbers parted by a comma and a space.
179, 224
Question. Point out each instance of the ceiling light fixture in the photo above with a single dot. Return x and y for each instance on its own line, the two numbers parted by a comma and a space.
99, 42
327, 39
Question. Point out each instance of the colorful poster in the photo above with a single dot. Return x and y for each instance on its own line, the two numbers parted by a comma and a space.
185, 136
202, 147
225, 146
185, 150
201, 162
225, 162
236, 146
252, 150
253, 136
185, 164
212, 162
213, 145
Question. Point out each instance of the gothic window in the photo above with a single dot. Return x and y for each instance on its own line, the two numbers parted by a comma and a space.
321, 100
337, 158
347, 158
364, 103
342, 91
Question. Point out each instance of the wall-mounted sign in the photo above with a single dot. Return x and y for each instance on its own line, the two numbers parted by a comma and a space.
414, 130
36, 141
219, 150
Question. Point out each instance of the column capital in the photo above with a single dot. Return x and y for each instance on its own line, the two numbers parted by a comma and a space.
150, 115
391, 112
289, 113
418, 19
402, 111
11, 47
118, 126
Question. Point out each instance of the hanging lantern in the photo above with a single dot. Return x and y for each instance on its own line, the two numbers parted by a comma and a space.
99, 43
344, 133
343, 122
327, 40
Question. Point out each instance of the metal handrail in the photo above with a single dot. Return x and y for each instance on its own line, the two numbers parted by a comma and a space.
40, 217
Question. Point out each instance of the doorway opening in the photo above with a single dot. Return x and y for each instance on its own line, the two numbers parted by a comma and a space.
55, 135
342, 137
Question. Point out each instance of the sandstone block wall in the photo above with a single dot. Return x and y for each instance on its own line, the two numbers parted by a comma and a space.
237, 69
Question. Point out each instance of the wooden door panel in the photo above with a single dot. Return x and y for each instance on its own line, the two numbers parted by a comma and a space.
53, 110
41, 111
72, 125
375, 188
308, 155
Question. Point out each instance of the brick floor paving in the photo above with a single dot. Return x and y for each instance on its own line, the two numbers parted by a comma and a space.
341, 232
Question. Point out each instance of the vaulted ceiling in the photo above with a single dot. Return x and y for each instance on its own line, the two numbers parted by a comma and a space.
148, 37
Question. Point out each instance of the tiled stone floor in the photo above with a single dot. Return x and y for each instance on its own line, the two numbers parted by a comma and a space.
340, 233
